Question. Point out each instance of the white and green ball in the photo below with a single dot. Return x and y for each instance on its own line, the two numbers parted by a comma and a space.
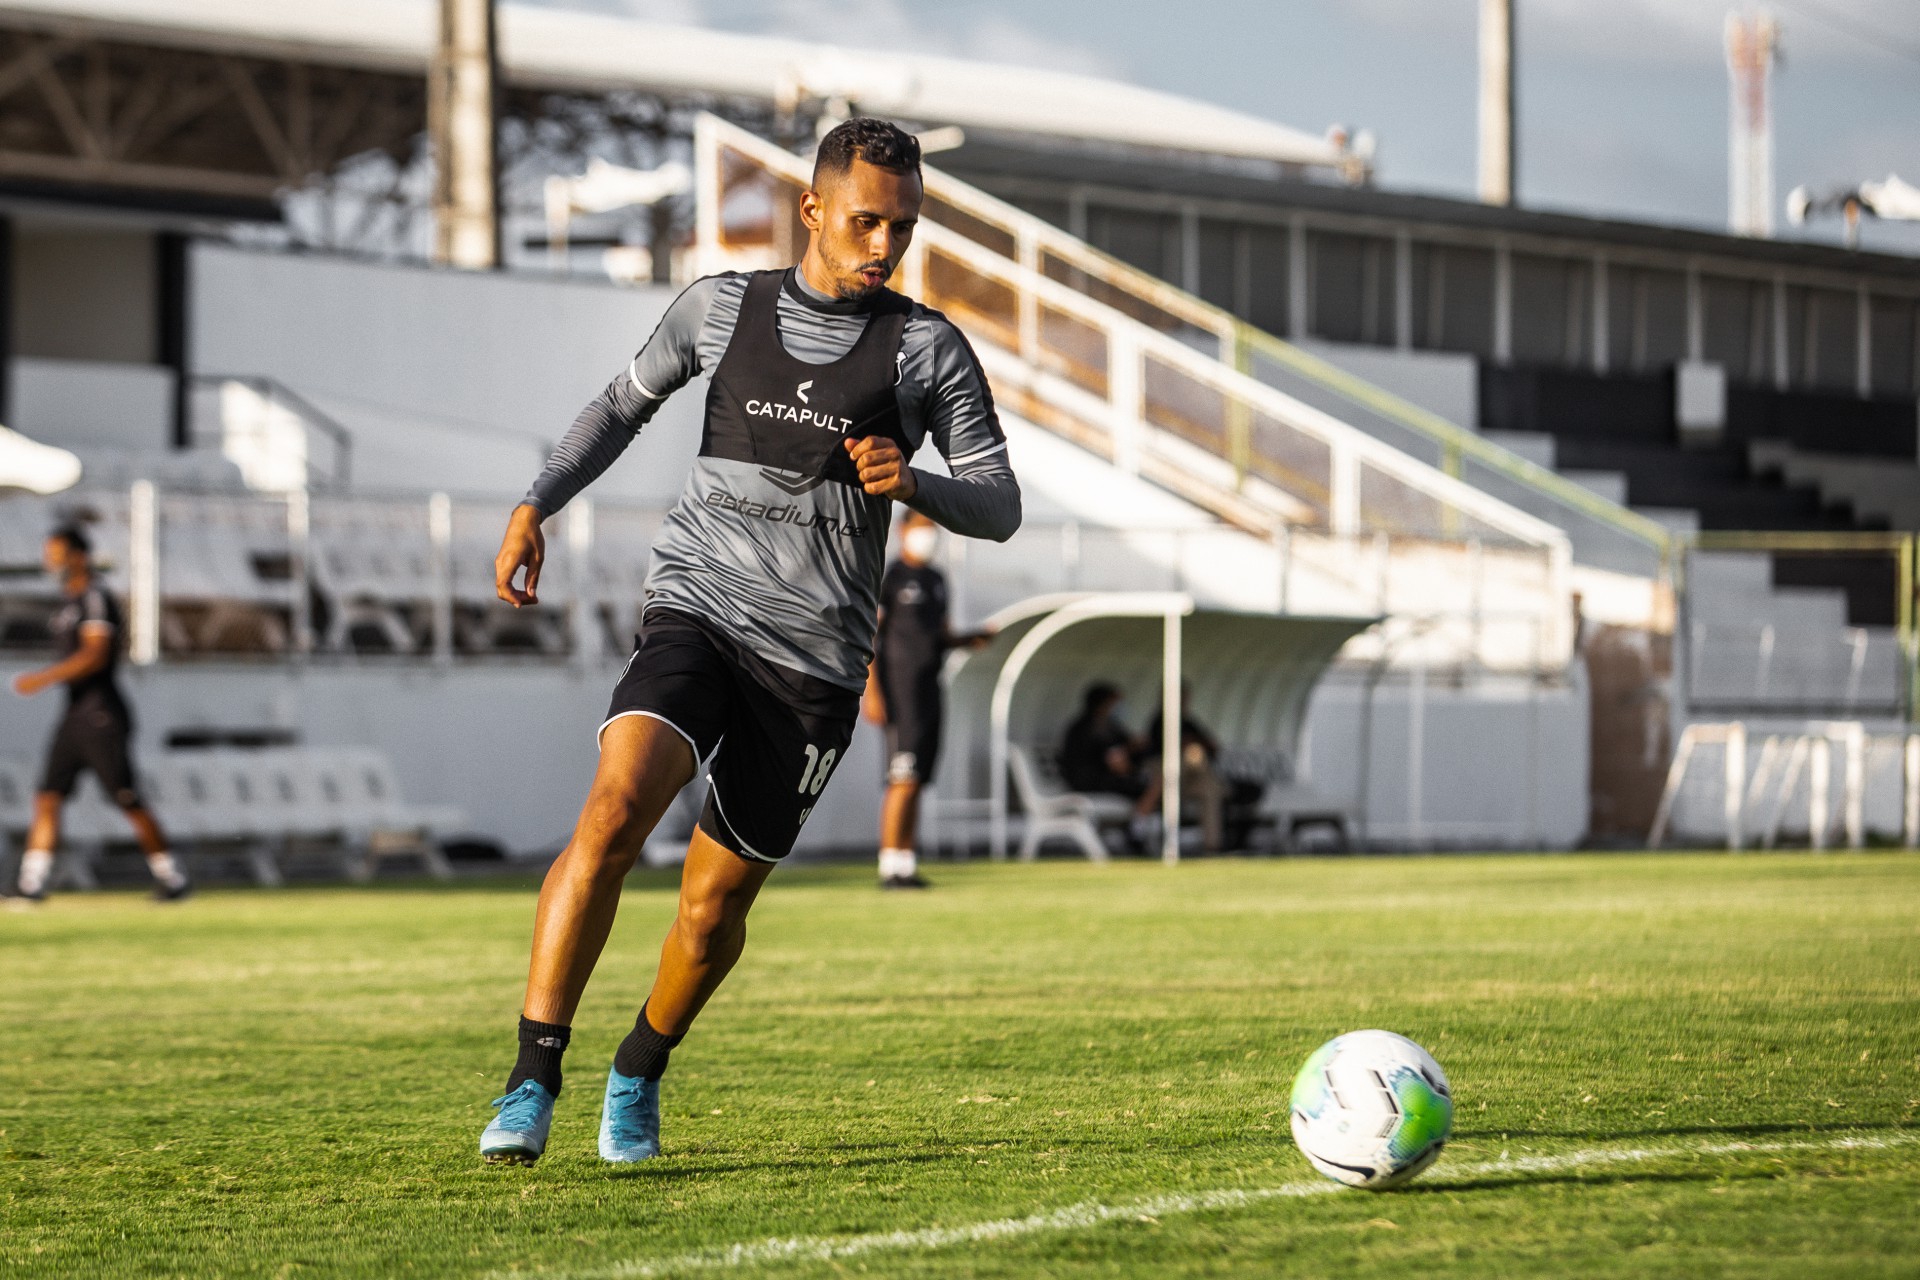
1371, 1109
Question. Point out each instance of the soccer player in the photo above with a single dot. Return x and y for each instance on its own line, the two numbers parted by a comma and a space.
97, 727
903, 691
761, 599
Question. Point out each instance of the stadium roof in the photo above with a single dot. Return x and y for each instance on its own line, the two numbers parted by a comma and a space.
1030, 170
546, 48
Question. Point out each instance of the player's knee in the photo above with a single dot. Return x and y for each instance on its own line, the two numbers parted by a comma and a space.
709, 921
617, 827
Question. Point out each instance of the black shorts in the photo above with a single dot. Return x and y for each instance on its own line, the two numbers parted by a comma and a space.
913, 725
93, 735
771, 735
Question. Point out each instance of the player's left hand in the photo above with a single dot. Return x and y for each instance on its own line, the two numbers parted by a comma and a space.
883, 468
29, 684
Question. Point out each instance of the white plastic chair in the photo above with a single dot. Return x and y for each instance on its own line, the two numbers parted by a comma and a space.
1053, 811
385, 825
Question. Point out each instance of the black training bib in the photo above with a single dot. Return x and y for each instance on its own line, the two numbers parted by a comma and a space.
768, 408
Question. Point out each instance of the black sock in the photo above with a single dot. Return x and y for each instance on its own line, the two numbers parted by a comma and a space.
541, 1044
644, 1052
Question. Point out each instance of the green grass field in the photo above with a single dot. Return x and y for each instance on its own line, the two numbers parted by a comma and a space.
1664, 1065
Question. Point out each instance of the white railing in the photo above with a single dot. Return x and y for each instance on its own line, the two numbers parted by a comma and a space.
1031, 242
1756, 666
301, 577
1750, 798
1122, 385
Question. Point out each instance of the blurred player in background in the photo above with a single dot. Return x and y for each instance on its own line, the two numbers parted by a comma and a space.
762, 596
97, 729
903, 691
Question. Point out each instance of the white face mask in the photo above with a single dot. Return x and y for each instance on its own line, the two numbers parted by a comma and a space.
921, 541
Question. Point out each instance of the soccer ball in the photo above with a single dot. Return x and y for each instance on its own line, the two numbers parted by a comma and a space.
1371, 1109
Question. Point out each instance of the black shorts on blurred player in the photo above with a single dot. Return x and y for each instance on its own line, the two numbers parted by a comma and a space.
913, 703
94, 734
772, 735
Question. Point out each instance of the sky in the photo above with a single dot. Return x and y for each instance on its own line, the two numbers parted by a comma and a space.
1622, 104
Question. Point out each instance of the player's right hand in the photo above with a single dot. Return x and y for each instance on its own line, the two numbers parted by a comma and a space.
524, 546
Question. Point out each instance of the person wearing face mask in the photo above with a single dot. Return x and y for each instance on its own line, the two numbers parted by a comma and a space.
94, 733
903, 691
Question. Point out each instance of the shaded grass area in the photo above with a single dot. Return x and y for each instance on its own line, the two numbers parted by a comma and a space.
292, 1083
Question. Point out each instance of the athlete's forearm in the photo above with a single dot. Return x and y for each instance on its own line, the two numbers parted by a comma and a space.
596, 440
983, 503
78, 667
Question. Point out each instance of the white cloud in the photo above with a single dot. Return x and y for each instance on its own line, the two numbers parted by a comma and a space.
1674, 31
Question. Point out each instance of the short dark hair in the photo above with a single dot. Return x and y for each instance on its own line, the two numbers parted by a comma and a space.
878, 142
1098, 695
74, 536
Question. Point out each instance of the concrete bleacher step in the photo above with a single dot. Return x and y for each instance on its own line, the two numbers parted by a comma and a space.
1675, 520
1536, 447
1730, 571
1735, 589
1792, 611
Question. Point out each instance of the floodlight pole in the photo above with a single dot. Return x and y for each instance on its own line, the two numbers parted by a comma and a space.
463, 115
1496, 102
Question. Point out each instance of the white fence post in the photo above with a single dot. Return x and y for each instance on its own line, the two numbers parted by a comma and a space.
1126, 390
1027, 251
1855, 786
1283, 537
709, 181
1171, 749
143, 573
1819, 788
1417, 752
440, 533
1736, 776
582, 607
1910, 828
1343, 490
300, 544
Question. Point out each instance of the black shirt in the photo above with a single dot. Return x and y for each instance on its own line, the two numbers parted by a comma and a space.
913, 622
87, 608
1191, 731
1083, 755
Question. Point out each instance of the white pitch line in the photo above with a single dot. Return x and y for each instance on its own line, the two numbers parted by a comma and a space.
1079, 1217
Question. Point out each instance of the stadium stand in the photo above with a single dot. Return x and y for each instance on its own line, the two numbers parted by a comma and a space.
266, 807
1482, 426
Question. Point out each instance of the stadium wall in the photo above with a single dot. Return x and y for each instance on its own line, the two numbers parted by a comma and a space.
460, 381
512, 744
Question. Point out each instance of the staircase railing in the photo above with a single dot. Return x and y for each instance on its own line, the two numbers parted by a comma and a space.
1602, 532
1108, 366
1157, 402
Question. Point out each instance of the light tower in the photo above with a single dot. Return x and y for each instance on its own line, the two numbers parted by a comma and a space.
1752, 46
1496, 102
463, 118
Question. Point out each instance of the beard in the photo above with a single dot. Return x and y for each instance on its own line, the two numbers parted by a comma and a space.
853, 286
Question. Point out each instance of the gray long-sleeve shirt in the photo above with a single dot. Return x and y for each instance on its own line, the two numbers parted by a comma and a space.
801, 589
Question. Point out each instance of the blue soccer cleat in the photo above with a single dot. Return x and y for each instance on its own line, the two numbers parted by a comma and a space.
630, 1119
518, 1135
